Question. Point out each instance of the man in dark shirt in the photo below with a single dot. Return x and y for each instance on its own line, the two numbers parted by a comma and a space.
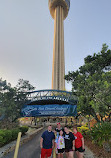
47, 143
69, 143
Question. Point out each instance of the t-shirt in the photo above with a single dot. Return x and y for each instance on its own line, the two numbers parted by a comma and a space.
78, 141
60, 142
47, 139
69, 140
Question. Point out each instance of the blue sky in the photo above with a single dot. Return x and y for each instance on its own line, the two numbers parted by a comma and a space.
26, 38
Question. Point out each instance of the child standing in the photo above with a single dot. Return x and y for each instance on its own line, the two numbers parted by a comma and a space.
60, 145
79, 143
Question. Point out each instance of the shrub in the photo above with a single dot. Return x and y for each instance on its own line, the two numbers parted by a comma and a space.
83, 130
101, 133
15, 133
2, 133
6, 135
1, 141
2, 136
86, 125
24, 129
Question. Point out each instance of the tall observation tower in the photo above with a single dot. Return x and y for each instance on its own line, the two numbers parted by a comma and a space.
59, 10
56, 102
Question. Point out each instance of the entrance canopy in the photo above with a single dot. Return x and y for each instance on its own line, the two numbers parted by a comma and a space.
50, 103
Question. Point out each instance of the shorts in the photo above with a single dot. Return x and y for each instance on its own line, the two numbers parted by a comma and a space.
61, 150
68, 150
46, 152
80, 149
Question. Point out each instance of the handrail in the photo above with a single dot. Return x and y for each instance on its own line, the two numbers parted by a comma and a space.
17, 145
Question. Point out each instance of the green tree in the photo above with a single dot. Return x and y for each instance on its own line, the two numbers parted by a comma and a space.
23, 87
12, 99
4, 88
92, 83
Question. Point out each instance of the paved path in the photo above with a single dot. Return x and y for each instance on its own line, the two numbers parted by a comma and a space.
30, 149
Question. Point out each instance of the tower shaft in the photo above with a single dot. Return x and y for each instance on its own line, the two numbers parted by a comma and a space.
58, 68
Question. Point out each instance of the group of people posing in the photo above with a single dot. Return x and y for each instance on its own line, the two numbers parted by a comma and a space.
63, 140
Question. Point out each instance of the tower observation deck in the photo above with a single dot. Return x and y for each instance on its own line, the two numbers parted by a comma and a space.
59, 10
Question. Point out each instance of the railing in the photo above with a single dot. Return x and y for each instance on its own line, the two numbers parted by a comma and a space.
52, 95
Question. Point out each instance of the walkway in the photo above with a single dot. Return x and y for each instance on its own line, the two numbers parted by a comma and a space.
31, 149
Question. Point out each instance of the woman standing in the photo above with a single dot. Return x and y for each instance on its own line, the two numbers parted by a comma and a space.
60, 144
69, 143
79, 143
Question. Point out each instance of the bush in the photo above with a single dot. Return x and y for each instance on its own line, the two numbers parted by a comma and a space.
24, 129
101, 133
1, 141
6, 135
2, 133
15, 133
83, 130
86, 125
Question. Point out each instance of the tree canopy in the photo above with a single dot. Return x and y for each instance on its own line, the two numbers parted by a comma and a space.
92, 83
13, 98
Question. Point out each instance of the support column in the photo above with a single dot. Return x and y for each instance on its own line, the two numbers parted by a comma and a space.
62, 64
63, 56
58, 70
60, 51
55, 45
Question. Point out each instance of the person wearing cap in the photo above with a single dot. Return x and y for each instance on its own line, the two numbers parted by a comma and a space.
58, 129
